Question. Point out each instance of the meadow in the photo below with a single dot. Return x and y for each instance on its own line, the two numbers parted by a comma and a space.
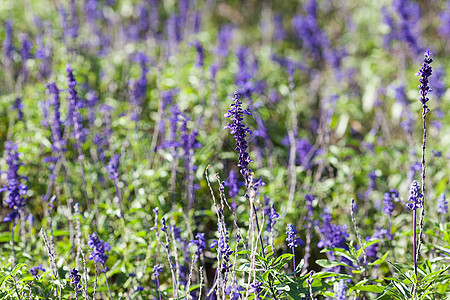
206, 149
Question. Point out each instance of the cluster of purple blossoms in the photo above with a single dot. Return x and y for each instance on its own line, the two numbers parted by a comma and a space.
340, 293
200, 242
233, 183
292, 239
256, 288
223, 246
238, 129
444, 29
139, 86
18, 106
442, 204
313, 38
333, 235
25, 54
75, 278
113, 167
405, 28
372, 250
200, 55
34, 271
15, 189
270, 214
424, 73
388, 198
224, 38
44, 52
74, 117
8, 47
415, 197
442, 207
157, 269
98, 250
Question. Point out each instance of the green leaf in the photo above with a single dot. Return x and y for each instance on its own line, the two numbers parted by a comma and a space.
369, 288
380, 260
330, 264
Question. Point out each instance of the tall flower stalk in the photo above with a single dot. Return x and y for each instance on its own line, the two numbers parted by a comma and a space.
424, 73
75, 120
239, 131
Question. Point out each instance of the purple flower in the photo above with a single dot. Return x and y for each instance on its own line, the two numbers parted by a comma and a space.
75, 278
270, 214
233, 184
279, 34
373, 249
333, 235
98, 249
224, 38
15, 189
73, 31
408, 13
35, 270
8, 47
44, 53
238, 129
200, 242
388, 197
157, 269
292, 239
424, 73
113, 167
442, 207
444, 29
200, 54
256, 288
25, 53
140, 86
340, 292
223, 246
415, 197
18, 105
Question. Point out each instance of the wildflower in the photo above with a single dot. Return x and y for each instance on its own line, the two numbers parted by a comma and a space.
442, 206
256, 288
35, 270
8, 47
238, 129
98, 249
113, 166
292, 239
18, 105
233, 184
75, 278
415, 197
200, 54
388, 197
224, 38
157, 269
200, 242
340, 293
270, 213
424, 73
15, 189
332, 235
444, 16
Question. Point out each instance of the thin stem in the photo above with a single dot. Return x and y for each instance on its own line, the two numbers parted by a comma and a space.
414, 248
157, 284
293, 259
107, 284
424, 145
359, 240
